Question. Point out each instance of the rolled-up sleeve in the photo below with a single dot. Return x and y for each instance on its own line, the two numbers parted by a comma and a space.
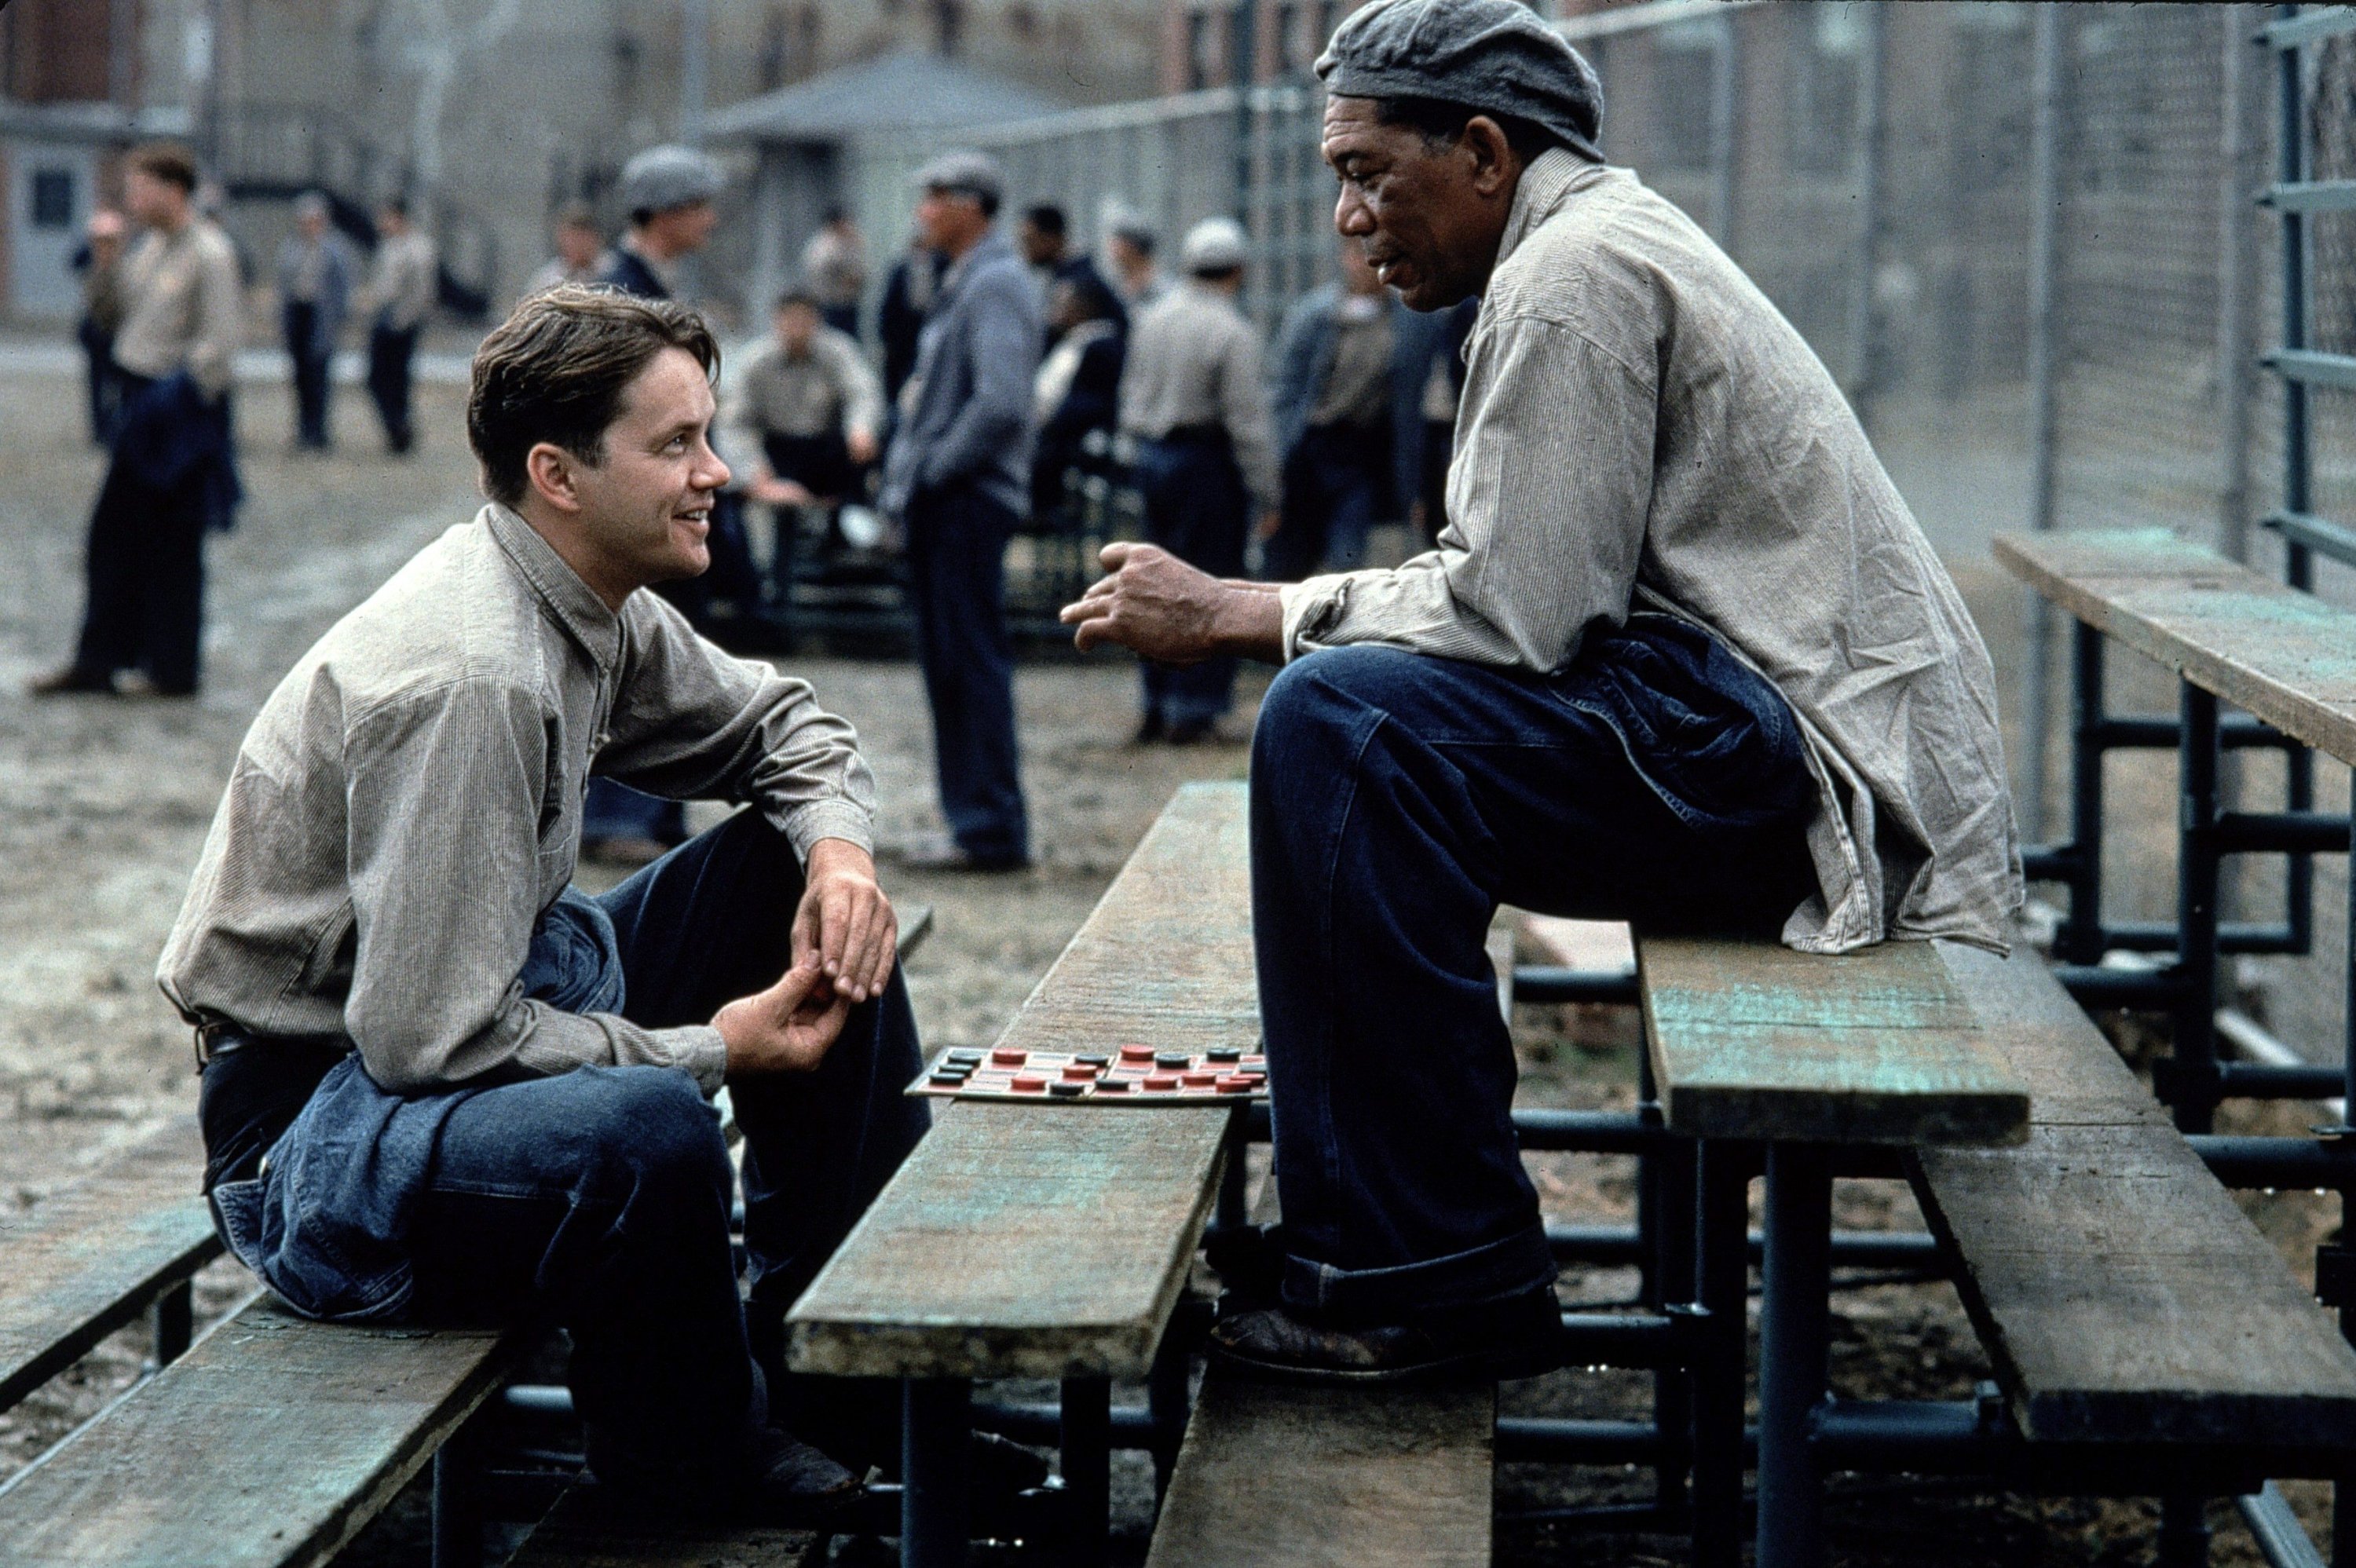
1549, 498
444, 902
694, 723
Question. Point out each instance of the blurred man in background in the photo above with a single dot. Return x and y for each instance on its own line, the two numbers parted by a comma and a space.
402, 289
580, 246
1130, 244
834, 269
804, 411
172, 473
1193, 401
957, 479
1076, 396
316, 274
1045, 240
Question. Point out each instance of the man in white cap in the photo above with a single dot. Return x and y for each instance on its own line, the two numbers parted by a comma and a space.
1681, 656
957, 477
1193, 401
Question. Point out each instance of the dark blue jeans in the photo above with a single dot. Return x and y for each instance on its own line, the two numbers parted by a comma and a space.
1333, 483
1196, 508
599, 1199
957, 583
1396, 800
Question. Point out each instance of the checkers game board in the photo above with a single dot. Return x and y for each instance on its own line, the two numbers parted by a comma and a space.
1131, 1076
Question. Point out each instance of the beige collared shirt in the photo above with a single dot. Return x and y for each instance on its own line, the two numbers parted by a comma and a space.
1194, 360
182, 306
408, 802
772, 392
402, 286
1639, 420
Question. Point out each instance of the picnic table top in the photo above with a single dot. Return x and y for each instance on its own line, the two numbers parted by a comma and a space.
1051, 1241
2275, 651
1754, 1042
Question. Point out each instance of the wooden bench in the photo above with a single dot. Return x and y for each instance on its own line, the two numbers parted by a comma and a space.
2144, 1333
1054, 1242
1285, 1474
273, 1441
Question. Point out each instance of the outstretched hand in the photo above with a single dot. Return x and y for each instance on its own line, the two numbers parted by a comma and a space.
1155, 604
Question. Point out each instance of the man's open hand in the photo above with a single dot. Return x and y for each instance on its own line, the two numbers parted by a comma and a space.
1155, 604
845, 923
787, 1028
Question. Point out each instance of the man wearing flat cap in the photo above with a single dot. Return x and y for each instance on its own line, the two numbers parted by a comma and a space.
957, 477
1680, 657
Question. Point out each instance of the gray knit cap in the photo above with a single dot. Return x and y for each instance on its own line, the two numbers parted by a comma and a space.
661, 179
1493, 55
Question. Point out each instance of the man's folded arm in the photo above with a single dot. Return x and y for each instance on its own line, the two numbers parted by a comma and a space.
1548, 497
444, 802
695, 722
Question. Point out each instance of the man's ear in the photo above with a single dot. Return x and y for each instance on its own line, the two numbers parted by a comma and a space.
549, 470
1494, 165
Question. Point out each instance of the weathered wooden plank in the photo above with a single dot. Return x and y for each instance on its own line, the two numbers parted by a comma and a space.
2122, 1295
1752, 1040
91, 1256
2283, 654
1274, 1476
270, 1443
1023, 1240
585, 1531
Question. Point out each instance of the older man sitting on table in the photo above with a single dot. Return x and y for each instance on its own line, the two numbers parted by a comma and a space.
1682, 657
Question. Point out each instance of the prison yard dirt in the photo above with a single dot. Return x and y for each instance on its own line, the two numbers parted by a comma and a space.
103, 803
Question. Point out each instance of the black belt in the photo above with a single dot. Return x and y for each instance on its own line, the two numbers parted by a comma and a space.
252, 1089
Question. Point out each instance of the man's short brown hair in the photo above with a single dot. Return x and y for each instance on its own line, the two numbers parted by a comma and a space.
555, 370
166, 161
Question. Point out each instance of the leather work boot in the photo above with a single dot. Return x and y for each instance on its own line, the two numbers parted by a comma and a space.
787, 1481
1517, 1337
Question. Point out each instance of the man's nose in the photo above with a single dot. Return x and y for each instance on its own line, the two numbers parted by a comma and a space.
1351, 215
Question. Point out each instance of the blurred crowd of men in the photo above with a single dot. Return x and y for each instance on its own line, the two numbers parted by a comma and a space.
1006, 373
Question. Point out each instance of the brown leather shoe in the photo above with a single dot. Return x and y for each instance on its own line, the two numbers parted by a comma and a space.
1521, 1337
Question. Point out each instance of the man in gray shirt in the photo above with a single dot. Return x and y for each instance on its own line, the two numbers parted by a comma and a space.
1681, 656
439, 1082
956, 478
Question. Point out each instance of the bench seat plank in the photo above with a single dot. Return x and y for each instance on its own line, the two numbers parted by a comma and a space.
1051, 1241
91, 1256
1754, 1041
2122, 1294
1276, 1476
582, 1531
269, 1445
2276, 652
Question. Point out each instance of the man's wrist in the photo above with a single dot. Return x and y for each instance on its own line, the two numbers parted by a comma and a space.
1249, 624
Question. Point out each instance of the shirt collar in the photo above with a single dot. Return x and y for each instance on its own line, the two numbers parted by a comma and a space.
1551, 178
571, 602
666, 273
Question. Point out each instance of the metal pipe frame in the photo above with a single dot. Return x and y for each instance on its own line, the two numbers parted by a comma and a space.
1793, 1343
935, 1466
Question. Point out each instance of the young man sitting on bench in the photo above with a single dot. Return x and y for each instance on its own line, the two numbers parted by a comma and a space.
1682, 657
439, 1082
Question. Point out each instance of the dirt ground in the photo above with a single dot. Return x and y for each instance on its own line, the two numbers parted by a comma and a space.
103, 804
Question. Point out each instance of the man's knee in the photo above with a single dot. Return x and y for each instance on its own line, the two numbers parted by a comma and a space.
1334, 691
652, 1128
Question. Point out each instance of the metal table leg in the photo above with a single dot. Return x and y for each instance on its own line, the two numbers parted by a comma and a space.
1723, 1286
936, 1459
1793, 1341
1088, 1468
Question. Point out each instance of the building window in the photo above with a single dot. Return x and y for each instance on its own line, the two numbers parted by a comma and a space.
1686, 57
53, 198
1827, 56
1287, 23
1202, 51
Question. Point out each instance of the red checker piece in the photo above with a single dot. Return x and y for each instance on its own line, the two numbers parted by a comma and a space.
1077, 1073
1232, 1083
1138, 1053
1029, 1084
1161, 1082
1201, 1080
1012, 1056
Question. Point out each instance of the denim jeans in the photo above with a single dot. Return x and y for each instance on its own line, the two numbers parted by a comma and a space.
1397, 800
599, 1199
956, 585
1196, 508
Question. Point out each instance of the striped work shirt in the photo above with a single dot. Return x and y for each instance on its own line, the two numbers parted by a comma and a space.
1639, 421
